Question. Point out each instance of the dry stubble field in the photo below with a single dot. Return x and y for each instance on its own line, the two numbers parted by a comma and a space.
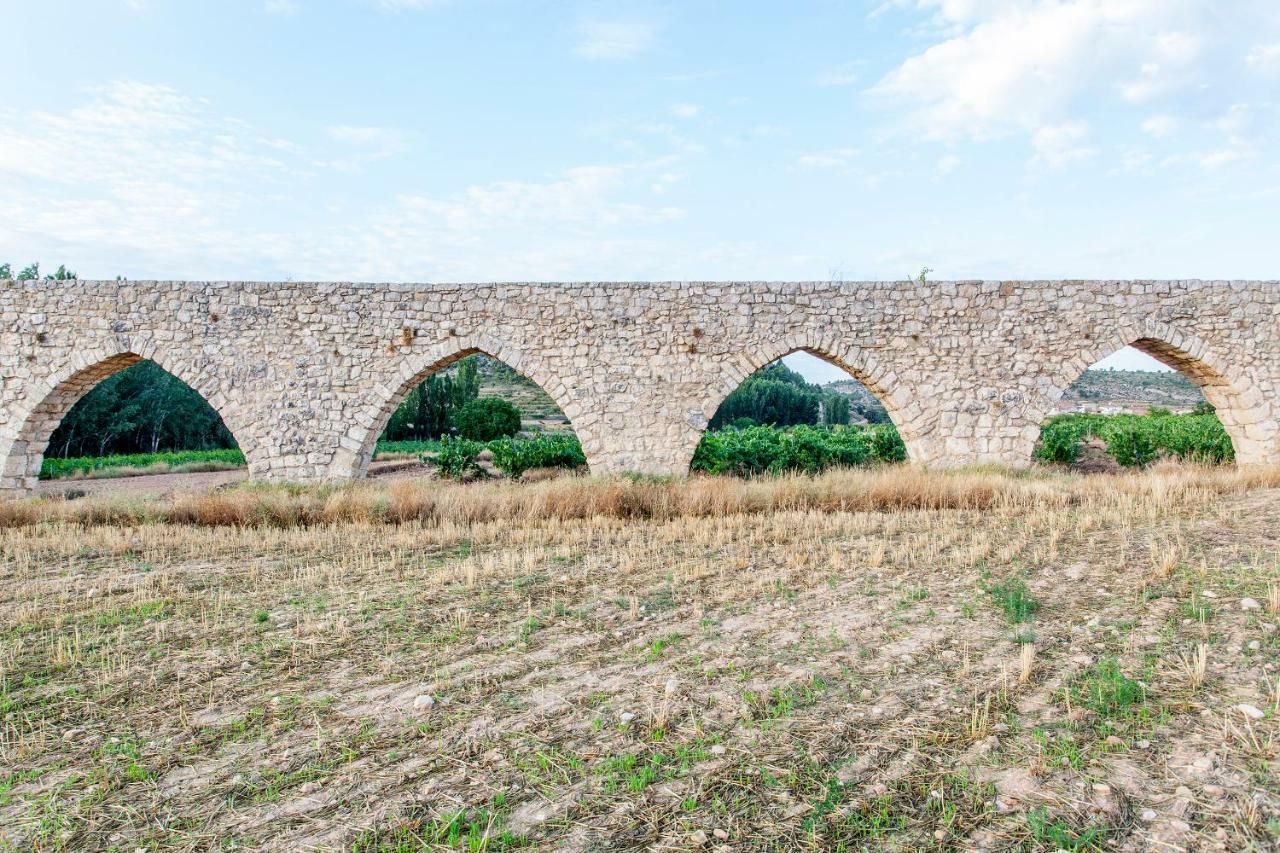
864, 660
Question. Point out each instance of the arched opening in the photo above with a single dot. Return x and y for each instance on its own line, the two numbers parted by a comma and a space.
119, 415
805, 410
1143, 397
474, 402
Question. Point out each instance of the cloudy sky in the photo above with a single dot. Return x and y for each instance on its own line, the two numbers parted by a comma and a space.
536, 140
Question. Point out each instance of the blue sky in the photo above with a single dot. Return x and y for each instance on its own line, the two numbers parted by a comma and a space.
487, 140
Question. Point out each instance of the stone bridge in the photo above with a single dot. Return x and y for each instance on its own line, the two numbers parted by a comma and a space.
305, 375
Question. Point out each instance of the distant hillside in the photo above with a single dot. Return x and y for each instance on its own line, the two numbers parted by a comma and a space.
1131, 391
1096, 390
536, 407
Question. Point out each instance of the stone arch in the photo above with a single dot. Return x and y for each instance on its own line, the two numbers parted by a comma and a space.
48, 399
1243, 409
356, 447
906, 414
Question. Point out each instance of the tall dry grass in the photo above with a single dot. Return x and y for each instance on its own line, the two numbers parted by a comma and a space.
887, 489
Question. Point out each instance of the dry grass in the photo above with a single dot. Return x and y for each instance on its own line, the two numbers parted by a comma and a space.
607, 664
885, 489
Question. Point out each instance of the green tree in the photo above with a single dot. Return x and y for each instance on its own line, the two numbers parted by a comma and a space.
5, 272
141, 409
773, 395
836, 410
30, 273
486, 419
426, 410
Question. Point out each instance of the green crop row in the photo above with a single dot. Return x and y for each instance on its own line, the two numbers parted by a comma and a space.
55, 468
459, 457
1136, 440
770, 450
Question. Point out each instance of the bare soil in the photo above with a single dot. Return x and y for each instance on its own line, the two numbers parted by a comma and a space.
1018, 678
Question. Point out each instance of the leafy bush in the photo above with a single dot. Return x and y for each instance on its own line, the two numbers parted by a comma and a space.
1137, 440
771, 450
1060, 440
514, 456
887, 445
457, 457
1131, 445
486, 419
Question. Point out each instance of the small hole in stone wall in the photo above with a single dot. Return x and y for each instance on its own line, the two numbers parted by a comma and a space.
406, 336
453, 333
213, 318
691, 348
40, 337
915, 338
697, 333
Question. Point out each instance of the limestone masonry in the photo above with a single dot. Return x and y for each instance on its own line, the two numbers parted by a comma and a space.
305, 375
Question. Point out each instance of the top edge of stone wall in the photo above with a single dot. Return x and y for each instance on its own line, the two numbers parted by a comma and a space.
624, 285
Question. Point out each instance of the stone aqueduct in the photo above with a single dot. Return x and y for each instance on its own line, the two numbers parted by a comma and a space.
305, 375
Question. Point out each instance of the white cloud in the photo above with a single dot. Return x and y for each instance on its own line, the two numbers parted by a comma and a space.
132, 132
1159, 126
1058, 146
1021, 64
840, 75
1235, 120
1264, 58
685, 110
143, 180
580, 194
1224, 157
360, 134
364, 144
835, 158
280, 7
614, 39
947, 164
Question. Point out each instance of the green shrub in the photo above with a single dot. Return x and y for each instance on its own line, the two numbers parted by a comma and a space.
1137, 440
1060, 440
486, 419
1132, 445
887, 445
514, 456
457, 457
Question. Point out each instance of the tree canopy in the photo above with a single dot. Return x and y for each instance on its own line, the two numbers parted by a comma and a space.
779, 396
141, 409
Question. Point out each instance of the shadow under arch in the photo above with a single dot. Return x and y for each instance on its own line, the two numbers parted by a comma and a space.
356, 448
1239, 403
48, 400
865, 369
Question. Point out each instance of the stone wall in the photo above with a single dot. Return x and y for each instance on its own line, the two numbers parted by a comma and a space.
305, 375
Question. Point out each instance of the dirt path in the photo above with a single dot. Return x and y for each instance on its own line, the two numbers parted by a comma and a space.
168, 485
